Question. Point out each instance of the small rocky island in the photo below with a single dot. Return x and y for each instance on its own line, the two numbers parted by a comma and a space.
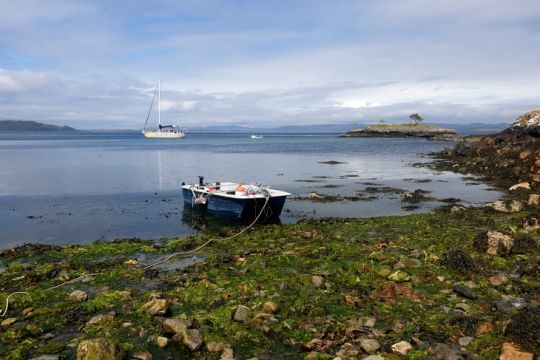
400, 130
22, 125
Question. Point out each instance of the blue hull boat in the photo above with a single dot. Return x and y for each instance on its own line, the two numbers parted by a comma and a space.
234, 201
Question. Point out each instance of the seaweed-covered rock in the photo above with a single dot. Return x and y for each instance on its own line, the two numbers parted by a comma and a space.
175, 326
193, 339
494, 243
154, 307
524, 329
458, 261
241, 314
507, 206
98, 349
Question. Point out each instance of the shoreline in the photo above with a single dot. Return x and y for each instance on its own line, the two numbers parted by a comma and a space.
457, 282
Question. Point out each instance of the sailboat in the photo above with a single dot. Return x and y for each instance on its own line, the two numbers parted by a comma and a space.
162, 131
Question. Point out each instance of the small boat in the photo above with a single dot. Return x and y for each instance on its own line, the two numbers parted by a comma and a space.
162, 131
256, 136
234, 200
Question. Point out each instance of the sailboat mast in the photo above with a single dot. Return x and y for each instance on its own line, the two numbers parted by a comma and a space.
159, 102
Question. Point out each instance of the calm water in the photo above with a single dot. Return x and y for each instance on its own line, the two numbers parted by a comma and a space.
77, 188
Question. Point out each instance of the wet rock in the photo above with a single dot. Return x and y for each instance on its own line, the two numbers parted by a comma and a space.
175, 326
348, 350
407, 263
241, 314
531, 224
510, 352
227, 354
399, 276
51, 347
78, 295
370, 345
98, 349
507, 206
458, 261
162, 341
450, 352
524, 329
151, 273
8, 322
465, 291
193, 339
270, 307
414, 197
509, 304
401, 348
216, 346
465, 340
317, 281
101, 320
142, 355
154, 307
494, 243
314, 196
534, 200
521, 185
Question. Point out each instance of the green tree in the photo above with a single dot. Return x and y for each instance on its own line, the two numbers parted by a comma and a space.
415, 119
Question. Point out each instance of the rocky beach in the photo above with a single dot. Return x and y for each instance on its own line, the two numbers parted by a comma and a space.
457, 283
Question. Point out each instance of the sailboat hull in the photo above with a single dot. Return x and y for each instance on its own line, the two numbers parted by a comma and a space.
163, 135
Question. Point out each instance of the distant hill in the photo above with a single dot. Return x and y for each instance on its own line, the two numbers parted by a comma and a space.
21, 125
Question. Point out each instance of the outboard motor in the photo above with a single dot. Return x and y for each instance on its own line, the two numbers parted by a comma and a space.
201, 180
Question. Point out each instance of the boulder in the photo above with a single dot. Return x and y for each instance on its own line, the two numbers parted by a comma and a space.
101, 320
401, 348
193, 339
154, 307
78, 295
175, 326
370, 345
241, 314
98, 349
527, 124
494, 243
507, 206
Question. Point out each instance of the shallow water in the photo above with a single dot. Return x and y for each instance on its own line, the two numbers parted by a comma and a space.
77, 188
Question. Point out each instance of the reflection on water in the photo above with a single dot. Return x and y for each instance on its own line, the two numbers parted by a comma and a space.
66, 188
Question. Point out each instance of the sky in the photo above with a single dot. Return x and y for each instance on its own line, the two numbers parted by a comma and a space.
95, 64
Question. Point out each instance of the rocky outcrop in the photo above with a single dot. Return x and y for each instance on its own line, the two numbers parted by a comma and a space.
511, 156
403, 130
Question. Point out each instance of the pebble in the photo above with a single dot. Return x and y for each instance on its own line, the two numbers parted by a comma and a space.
317, 281
462, 307
401, 348
8, 322
367, 321
399, 276
142, 355
162, 341
465, 340
498, 280
241, 314
127, 325
369, 345
78, 295
227, 354
465, 292
216, 346
270, 307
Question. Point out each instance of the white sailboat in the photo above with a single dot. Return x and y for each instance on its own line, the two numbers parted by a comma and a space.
162, 131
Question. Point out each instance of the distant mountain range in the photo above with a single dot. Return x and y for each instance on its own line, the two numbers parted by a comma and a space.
22, 125
464, 129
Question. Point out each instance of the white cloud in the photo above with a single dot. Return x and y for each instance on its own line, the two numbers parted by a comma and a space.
18, 81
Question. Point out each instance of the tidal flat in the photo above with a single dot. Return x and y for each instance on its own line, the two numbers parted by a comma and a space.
318, 288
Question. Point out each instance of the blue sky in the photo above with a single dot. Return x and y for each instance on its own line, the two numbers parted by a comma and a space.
94, 64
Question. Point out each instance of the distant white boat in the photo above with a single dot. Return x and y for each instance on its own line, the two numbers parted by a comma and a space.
162, 131
256, 136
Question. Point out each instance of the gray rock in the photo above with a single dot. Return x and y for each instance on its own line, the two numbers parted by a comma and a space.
241, 314
509, 304
465, 340
465, 292
193, 339
367, 321
401, 348
370, 345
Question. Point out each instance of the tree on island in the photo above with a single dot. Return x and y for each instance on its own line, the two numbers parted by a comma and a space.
415, 119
